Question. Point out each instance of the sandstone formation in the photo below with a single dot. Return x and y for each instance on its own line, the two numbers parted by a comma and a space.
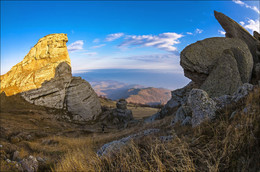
65, 92
198, 59
37, 66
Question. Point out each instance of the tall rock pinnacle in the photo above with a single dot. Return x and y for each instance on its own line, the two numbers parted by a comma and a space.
37, 66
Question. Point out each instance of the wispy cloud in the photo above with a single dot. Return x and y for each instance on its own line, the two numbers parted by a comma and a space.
251, 25
189, 33
164, 41
75, 46
98, 46
90, 53
254, 8
221, 32
114, 36
198, 31
96, 40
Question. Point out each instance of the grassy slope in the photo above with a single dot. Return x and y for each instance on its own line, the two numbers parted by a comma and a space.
226, 145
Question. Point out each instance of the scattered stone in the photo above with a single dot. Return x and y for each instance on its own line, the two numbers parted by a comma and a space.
203, 108
16, 156
166, 138
30, 164
181, 114
242, 92
112, 147
121, 104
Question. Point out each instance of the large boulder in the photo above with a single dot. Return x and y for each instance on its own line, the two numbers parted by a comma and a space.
203, 108
199, 59
224, 79
37, 66
234, 30
65, 92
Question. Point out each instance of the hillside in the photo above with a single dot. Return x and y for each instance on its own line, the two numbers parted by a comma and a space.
132, 93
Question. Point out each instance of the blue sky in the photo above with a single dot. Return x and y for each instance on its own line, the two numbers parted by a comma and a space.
117, 34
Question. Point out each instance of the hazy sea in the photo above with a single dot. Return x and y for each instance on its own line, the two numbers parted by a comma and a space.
147, 78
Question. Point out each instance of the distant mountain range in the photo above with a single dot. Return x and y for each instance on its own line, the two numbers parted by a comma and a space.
132, 93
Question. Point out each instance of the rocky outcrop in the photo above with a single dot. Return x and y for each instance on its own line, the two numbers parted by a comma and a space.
200, 107
179, 97
224, 78
203, 63
203, 108
119, 116
65, 92
234, 30
37, 66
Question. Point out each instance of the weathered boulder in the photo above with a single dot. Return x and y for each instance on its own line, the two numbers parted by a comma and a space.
110, 148
199, 59
37, 66
65, 92
234, 30
203, 108
224, 79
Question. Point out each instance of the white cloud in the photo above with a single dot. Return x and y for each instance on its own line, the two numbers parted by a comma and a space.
75, 46
199, 31
242, 23
243, 4
164, 41
252, 25
189, 33
114, 36
90, 53
221, 32
98, 46
96, 40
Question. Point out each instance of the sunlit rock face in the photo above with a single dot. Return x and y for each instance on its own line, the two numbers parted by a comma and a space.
37, 66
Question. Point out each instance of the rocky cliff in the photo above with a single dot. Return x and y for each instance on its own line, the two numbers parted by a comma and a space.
44, 78
37, 66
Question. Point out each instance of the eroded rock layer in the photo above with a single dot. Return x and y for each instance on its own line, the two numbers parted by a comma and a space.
65, 92
37, 66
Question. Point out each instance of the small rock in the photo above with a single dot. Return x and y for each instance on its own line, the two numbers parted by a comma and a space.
16, 156
30, 164
186, 121
166, 138
242, 92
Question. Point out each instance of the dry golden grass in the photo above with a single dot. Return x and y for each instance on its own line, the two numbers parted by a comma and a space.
225, 145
